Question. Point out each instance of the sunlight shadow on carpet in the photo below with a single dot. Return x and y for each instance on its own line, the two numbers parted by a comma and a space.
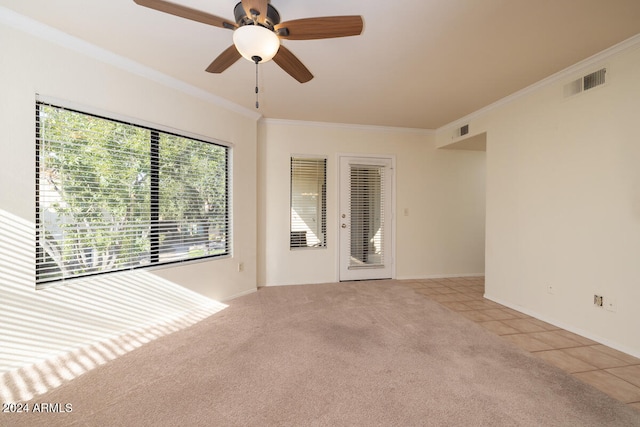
51, 336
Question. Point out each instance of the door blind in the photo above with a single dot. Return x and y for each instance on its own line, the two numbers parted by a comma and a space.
366, 199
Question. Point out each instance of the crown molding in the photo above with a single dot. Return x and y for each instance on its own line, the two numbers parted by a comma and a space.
329, 125
35, 28
628, 44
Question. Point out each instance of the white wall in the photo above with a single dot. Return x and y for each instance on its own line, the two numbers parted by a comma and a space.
563, 200
97, 309
443, 190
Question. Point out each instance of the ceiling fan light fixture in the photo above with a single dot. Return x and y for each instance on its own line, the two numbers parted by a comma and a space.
256, 41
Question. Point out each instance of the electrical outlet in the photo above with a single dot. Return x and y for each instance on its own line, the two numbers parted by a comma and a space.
597, 300
240, 267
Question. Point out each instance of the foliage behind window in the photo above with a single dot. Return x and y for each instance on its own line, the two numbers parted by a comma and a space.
113, 196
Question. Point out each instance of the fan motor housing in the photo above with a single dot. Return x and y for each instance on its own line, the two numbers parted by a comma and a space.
272, 19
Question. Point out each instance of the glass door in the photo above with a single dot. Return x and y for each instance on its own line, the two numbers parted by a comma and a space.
365, 218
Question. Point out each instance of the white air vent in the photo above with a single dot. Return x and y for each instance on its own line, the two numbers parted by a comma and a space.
584, 83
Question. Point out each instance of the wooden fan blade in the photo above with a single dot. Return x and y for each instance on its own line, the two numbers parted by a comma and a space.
225, 60
187, 12
292, 65
321, 28
257, 5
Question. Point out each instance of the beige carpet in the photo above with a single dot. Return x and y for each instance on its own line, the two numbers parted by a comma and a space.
362, 353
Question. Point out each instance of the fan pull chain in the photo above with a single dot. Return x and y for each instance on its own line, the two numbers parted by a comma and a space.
257, 60
257, 100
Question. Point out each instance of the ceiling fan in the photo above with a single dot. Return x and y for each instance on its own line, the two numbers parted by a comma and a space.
258, 30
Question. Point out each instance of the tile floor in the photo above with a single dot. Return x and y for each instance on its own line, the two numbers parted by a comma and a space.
611, 371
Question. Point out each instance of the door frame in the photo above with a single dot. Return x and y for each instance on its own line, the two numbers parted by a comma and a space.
391, 223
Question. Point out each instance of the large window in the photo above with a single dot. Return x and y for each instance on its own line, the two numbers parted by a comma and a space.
112, 196
308, 202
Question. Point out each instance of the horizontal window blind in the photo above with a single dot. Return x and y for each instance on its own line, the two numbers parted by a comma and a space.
112, 196
308, 202
195, 223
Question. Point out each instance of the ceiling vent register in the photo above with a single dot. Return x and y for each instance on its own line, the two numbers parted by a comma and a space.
461, 131
585, 83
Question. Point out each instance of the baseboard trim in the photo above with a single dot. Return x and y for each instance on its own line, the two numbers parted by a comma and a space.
430, 277
440, 276
238, 295
275, 285
565, 326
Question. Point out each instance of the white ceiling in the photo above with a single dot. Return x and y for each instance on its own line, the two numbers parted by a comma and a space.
418, 64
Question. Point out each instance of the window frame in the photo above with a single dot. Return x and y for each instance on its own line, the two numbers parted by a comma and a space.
155, 132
